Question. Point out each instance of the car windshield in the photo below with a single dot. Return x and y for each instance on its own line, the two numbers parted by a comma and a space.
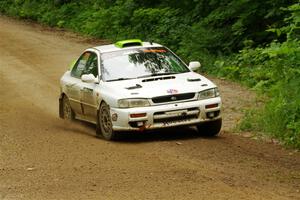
140, 63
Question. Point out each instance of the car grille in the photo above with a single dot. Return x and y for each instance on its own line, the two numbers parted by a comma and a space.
174, 97
176, 116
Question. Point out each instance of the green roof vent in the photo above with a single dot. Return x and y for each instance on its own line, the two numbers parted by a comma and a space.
129, 43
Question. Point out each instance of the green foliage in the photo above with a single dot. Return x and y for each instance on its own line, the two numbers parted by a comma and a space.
165, 25
276, 70
250, 41
200, 27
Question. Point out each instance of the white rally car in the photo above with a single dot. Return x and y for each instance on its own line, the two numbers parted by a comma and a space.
135, 86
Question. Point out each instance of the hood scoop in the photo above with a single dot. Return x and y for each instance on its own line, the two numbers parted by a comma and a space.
158, 78
137, 86
193, 79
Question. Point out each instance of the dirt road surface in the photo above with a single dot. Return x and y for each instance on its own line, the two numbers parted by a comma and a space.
43, 157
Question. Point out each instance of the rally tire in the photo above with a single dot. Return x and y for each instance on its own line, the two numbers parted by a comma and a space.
210, 129
104, 123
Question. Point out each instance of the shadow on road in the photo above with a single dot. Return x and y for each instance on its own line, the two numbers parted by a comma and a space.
168, 134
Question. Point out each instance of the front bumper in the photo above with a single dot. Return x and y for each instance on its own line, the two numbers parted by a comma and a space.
167, 115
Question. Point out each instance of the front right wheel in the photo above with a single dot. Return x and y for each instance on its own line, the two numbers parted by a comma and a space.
210, 129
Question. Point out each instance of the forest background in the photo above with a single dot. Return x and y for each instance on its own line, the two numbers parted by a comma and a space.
253, 42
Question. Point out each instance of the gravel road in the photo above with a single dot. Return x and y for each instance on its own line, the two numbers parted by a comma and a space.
43, 157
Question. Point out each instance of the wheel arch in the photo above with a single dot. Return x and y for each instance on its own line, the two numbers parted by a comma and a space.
98, 108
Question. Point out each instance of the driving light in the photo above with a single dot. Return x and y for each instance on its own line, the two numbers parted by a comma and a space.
132, 103
207, 94
211, 106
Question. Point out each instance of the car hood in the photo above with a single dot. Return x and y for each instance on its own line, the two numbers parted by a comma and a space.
156, 86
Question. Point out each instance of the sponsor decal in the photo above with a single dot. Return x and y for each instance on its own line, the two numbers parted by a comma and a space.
172, 91
155, 51
171, 123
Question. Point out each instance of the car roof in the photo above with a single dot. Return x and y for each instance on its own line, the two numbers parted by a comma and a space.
113, 47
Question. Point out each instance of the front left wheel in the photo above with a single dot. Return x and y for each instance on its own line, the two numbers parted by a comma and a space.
104, 125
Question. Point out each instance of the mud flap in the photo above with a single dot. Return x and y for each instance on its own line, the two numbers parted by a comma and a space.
61, 111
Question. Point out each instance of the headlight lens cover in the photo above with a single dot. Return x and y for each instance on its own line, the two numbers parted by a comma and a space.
207, 94
132, 103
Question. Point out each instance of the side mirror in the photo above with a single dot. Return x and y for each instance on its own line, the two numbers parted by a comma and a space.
88, 78
194, 65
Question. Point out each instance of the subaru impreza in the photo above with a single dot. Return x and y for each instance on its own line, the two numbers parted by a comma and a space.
137, 86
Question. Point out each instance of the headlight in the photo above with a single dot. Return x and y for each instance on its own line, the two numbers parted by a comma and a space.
131, 103
207, 94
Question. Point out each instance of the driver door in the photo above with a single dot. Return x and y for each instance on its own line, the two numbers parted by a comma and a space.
74, 85
88, 93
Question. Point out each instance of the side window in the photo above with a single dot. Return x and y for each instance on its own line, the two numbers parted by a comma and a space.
80, 65
92, 65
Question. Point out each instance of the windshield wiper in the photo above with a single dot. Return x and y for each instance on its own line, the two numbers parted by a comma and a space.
119, 79
158, 74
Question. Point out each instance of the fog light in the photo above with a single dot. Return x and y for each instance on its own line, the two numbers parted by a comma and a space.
137, 115
211, 115
140, 123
